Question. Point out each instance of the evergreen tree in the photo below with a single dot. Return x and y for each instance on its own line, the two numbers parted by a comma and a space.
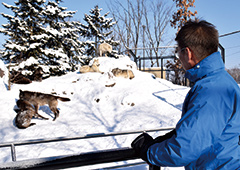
22, 28
97, 30
44, 32
63, 45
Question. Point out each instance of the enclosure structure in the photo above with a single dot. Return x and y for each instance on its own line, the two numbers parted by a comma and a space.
147, 62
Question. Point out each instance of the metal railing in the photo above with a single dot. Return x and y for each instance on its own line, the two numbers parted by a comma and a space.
142, 66
97, 157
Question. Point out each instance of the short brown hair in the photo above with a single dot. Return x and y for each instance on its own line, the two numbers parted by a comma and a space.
200, 36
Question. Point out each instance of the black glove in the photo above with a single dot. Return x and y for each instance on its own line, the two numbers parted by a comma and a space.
141, 145
144, 141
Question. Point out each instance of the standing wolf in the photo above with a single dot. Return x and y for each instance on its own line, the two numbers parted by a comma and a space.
39, 99
104, 48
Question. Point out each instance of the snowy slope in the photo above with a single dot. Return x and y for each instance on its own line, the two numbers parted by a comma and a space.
142, 103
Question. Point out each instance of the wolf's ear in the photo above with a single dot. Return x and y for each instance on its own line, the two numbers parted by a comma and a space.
20, 90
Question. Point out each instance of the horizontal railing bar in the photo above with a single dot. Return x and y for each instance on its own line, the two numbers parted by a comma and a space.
144, 48
155, 57
124, 165
143, 69
38, 141
90, 158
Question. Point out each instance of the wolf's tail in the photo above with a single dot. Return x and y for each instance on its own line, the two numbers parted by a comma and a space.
64, 99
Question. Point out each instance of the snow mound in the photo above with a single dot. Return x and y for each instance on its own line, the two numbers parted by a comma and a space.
106, 64
144, 102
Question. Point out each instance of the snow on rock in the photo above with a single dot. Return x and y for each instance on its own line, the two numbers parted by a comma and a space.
145, 102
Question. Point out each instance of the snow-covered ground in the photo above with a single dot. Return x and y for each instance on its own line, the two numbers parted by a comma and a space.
145, 102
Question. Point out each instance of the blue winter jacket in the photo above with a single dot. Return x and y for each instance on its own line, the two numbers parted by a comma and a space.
207, 135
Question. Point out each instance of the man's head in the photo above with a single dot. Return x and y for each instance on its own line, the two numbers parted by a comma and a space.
196, 40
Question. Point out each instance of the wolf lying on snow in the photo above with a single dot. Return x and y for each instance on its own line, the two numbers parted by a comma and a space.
38, 99
93, 68
25, 114
123, 73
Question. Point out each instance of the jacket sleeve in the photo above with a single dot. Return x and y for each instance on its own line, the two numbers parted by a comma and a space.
203, 122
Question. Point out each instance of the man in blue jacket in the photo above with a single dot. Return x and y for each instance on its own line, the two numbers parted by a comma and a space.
208, 133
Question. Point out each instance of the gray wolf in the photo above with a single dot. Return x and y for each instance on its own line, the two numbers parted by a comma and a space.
123, 73
38, 99
104, 48
25, 113
93, 68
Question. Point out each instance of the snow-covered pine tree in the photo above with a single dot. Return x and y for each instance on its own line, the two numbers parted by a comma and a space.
97, 30
41, 35
21, 28
63, 47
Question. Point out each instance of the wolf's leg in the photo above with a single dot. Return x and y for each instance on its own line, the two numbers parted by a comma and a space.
35, 112
37, 115
55, 111
36, 108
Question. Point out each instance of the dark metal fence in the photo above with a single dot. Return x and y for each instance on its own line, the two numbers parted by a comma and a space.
142, 61
63, 162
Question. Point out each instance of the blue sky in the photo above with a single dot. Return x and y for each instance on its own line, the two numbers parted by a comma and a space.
223, 14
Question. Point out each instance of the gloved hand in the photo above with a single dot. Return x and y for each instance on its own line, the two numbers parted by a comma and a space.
141, 145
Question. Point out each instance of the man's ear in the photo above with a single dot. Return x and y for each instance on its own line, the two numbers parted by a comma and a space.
192, 58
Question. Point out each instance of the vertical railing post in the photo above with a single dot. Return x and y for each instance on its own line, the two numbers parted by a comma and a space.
154, 167
161, 67
13, 152
222, 52
140, 64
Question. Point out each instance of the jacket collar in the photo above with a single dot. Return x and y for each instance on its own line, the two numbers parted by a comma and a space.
207, 65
